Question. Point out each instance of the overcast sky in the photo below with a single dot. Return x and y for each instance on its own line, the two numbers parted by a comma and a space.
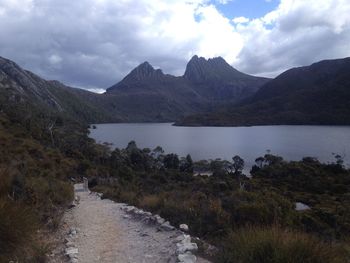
92, 44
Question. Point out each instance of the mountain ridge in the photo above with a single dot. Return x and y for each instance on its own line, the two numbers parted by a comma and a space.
22, 88
164, 97
315, 94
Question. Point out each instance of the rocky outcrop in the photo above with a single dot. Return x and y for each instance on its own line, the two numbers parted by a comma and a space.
26, 84
143, 72
200, 69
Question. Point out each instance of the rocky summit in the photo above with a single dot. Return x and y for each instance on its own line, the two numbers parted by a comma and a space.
163, 97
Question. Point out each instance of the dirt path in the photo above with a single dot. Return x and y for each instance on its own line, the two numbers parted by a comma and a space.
102, 231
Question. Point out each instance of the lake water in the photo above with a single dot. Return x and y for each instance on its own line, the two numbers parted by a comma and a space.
290, 142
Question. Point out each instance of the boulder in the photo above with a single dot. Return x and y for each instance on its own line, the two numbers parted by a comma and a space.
186, 245
166, 226
159, 220
301, 207
187, 257
71, 252
184, 227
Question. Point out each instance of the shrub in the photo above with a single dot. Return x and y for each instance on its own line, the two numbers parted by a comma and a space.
151, 202
17, 227
275, 245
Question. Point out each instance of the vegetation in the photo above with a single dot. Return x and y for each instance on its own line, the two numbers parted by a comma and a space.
228, 202
36, 164
42, 149
273, 244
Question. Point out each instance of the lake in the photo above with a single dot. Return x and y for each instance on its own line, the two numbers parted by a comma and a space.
290, 142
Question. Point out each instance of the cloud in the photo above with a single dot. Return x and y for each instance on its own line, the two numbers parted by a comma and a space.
297, 33
94, 43
223, 2
240, 20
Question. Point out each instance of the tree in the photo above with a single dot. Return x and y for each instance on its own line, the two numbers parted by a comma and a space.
131, 146
186, 164
171, 161
260, 161
237, 164
156, 152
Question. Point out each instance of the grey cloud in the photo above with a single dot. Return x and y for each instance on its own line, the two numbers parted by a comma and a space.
301, 37
93, 44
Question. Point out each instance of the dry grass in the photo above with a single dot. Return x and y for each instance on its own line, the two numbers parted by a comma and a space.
275, 245
17, 228
151, 202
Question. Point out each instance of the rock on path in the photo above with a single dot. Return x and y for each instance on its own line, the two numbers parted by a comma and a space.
101, 231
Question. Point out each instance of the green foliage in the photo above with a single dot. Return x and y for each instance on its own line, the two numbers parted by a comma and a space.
33, 185
237, 164
171, 161
213, 206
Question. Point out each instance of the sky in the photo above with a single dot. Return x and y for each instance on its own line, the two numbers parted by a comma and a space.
93, 44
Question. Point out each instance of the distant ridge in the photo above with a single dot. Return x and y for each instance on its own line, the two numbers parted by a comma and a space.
315, 94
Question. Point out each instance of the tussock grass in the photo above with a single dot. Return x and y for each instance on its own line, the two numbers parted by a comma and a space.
276, 245
17, 228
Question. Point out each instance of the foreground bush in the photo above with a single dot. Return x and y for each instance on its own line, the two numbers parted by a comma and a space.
17, 228
274, 245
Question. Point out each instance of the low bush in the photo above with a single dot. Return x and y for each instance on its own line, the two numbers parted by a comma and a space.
276, 245
17, 228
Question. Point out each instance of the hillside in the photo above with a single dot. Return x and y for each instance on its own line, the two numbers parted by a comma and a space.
24, 89
316, 94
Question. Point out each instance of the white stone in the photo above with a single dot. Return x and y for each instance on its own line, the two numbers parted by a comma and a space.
186, 245
73, 232
166, 226
71, 251
130, 209
301, 207
159, 219
69, 244
184, 227
188, 257
180, 238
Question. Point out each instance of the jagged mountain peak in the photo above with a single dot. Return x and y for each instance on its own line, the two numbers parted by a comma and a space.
144, 71
201, 69
145, 66
217, 61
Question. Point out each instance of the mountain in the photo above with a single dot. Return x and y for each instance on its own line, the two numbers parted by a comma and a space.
147, 94
316, 94
215, 79
22, 89
144, 95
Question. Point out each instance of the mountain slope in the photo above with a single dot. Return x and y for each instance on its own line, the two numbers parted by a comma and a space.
215, 79
147, 94
144, 95
316, 94
24, 89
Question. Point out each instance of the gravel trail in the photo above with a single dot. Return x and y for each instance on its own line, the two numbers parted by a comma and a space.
102, 232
